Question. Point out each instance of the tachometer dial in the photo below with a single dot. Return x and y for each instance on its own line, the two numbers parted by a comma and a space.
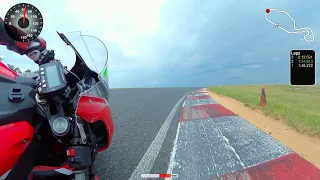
27, 18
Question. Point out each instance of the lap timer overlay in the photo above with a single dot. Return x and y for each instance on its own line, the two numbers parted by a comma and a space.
302, 67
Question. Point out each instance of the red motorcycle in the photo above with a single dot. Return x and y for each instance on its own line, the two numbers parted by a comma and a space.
54, 122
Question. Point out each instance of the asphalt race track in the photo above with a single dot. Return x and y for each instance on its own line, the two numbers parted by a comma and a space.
138, 115
183, 131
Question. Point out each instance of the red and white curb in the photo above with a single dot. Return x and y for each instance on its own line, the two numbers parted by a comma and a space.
214, 143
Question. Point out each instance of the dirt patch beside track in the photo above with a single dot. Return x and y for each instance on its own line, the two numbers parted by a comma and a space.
306, 146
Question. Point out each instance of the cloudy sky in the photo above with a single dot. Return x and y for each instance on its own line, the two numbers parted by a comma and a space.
180, 42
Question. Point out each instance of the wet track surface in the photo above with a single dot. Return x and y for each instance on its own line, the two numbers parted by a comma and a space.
138, 115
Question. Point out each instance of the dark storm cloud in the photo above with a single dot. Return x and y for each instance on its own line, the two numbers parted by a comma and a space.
212, 43
202, 43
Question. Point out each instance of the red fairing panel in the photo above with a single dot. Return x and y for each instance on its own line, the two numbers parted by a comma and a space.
51, 168
7, 72
14, 138
97, 109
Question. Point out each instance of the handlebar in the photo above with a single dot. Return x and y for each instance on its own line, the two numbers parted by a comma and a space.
46, 56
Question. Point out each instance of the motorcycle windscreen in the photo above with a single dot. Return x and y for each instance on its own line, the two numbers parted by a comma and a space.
99, 89
98, 53
93, 53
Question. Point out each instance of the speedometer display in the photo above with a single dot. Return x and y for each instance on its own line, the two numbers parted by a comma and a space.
27, 18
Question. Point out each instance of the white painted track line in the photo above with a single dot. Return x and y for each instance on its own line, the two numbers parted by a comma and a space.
172, 162
150, 156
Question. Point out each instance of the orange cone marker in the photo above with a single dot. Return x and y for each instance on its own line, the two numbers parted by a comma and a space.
263, 101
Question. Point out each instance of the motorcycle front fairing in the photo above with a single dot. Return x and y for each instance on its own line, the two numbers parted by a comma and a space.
19, 114
95, 109
92, 68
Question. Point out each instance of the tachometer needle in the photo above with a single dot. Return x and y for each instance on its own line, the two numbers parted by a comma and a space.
24, 14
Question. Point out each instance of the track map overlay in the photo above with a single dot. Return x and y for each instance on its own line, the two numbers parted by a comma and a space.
306, 31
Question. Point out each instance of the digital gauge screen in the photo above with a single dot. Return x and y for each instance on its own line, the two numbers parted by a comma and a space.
27, 19
302, 67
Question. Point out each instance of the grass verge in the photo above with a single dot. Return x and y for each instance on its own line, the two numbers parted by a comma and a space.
300, 108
